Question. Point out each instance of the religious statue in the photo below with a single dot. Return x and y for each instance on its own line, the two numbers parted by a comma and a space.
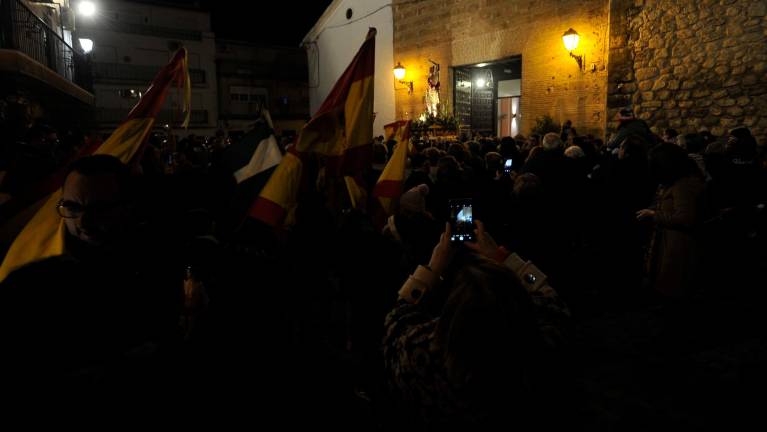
432, 90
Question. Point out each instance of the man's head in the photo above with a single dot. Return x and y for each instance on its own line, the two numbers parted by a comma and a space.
625, 116
448, 169
380, 153
669, 135
458, 151
741, 144
574, 152
419, 162
633, 148
551, 141
493, 162
533, 141
95, 199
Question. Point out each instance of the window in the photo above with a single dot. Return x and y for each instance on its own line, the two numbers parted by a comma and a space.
130, 93
252, 95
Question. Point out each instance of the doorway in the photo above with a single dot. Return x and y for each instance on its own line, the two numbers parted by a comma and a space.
487, 97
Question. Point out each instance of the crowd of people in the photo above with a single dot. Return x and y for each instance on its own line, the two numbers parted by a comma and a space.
167, 289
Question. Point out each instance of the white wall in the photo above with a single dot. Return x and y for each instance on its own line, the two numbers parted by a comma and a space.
336, 47
509, 88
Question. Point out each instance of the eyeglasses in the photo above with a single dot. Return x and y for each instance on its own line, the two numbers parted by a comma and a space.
72, 210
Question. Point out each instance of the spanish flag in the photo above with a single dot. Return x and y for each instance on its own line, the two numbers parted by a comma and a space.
43, 235
389, 185
340, 132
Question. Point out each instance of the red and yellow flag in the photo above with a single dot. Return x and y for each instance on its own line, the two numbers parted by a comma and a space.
43, 235
389, 185
340, 132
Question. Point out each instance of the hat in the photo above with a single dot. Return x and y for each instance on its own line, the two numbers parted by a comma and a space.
626, 114
414, 200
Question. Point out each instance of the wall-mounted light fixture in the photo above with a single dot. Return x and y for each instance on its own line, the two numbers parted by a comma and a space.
399, 75
570, 38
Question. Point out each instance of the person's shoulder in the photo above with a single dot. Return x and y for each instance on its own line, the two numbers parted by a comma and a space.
44, 267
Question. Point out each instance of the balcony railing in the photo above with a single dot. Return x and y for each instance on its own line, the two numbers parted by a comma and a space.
114, 116
121, 72
22, 30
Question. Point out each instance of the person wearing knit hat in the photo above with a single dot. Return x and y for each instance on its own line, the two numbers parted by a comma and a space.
411, 204
412, 227
414, 200
629, 125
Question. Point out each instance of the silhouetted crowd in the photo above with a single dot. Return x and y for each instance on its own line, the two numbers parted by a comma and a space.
170, 295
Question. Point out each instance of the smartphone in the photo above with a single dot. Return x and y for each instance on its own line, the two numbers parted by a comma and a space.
507, 166
461, 220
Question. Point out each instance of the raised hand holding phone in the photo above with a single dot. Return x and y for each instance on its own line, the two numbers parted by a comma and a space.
485, 245
442, 253
461, 220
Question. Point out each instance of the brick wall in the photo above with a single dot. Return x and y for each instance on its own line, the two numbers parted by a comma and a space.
462, 32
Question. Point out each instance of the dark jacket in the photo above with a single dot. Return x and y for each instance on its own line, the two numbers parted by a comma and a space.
632, 127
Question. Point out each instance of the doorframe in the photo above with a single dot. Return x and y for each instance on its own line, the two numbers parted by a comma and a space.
451, 74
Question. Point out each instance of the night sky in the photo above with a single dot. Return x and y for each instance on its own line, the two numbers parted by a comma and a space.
280, 22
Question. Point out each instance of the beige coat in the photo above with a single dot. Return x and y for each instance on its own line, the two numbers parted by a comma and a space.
674, 253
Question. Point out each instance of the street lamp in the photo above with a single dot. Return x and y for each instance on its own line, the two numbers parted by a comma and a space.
86, 44
86, 8
399, 75
571, 38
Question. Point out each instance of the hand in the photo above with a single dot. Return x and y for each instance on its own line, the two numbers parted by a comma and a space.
645, 214
440, 257
485, 244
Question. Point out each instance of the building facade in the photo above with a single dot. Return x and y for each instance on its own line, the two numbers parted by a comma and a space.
251, 76
690, 64
40, 68
334, 40
132, 41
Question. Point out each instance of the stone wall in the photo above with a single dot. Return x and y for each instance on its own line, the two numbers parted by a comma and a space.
690, 65
464, 32
685, 64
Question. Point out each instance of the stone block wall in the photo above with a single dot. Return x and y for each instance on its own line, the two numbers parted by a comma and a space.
690, 65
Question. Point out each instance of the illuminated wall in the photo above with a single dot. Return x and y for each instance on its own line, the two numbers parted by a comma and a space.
464, 32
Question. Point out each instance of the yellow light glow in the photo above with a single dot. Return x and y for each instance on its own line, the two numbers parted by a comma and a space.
481, 82
399, 71
570, 39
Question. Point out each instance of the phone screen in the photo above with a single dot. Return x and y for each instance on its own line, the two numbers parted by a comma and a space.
507, 166
461, 220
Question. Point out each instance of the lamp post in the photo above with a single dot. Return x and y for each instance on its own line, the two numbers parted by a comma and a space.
86, 44
86, 8
571, 38
399, 75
